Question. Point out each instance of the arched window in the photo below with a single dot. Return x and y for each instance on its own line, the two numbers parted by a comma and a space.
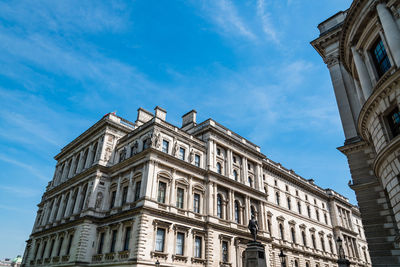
303, 236
277, 198
299, 207
293, 235
296, 263
237, 212
250, 182
313, 241
219, 206
307, 264
219, 168
282, 234
289, 206
235, 175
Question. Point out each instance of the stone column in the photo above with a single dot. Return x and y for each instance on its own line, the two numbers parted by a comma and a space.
362, 71
244, 168
391, 31
189, 203
72, 167
229, 163
89, 157
247, 210
231, 206
210, 147
81, 160
118, 194
129, 197
64, 174
78, 200
214, 198
171, 197
60, 208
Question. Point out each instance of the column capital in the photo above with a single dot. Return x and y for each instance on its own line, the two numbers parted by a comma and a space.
331, 60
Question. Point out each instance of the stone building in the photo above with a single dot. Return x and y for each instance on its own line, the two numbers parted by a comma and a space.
361, 47
133, 193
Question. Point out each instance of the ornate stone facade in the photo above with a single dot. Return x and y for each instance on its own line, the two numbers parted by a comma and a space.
133, 193
365, 42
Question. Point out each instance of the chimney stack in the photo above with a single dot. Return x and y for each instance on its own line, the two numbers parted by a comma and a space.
189, 118
160, 113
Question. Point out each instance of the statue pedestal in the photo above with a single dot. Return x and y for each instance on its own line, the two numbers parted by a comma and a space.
255, 255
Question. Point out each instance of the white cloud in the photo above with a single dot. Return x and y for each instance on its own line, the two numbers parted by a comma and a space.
20, 191
225, 15
265, 18
25, 166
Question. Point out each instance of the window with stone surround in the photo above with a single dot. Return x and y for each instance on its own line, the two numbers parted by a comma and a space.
124, 194
219, 168
127, 238
180, 243
162, 188
137, 189
160, 239
165, 146
101, 243
112, 198
393, 122
196, 203
198, 246
71, 237
113, 240
380, 57
182, 152
60, 244
180, 192
197, 160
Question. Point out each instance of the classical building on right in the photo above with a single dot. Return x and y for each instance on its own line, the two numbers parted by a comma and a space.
361, 47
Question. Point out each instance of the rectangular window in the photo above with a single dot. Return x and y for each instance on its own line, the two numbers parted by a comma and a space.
101, 244
197, 247
112, 201
160, 237
393, 119
127, 238
137, 190
124, 194
197, 160
162, 187
380, 57
60, 246
71, 237
179, 198
165, 146
180, 243
44, 249
113, 240
196, 203
182, 153
225, 251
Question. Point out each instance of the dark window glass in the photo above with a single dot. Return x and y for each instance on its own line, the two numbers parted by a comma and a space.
313, 241
101, 243
113, 240
197, 160
112, 201
137, 190
182, 153
250, 182
161, 192
197, 247
282, 235
160, 239
124, 194
196, 203
393, 119
43, 249
180, 243
326, 219
303, 236
60, 246
289, 203
237, 212
308, 211
219, 168
380, 57
51, 247
127, 238
317, 213
225, 251
299, 207
179, 198
71, 237
218, 151
293, 235
219, 206
165, 146
277, 198
323, 243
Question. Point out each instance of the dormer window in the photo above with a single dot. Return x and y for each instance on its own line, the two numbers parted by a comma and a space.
380, 57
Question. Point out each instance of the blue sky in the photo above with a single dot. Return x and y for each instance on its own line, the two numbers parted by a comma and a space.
247, 64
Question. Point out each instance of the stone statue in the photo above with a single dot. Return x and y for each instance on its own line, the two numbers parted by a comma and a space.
156, 139
191, 155
175, 149
134, 148
122, 155
253, 227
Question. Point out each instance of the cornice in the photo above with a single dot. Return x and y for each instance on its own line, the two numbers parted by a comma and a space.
353, 147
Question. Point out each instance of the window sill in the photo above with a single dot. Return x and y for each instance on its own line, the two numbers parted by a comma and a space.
225, 264
198, 260
159, 255
179, 258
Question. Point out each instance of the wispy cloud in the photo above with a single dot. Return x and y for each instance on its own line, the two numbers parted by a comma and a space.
25, 166
19, 191
267, 26
225, 15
